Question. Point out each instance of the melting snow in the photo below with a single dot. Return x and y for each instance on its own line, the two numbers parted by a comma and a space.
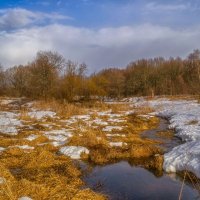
26, 147
181, 114
116, 144
115, 135
41, 114
100, 122
9, 123
74, 151
82, 117
2, 149
116, 120
25, 198
32, 137
184, 157
58, 135
110, 128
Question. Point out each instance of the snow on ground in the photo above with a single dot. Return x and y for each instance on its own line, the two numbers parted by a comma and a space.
100, 122
9, 123
184, 118
25, 198
25, 147
115, 135
41, 114
74, 151
59, 137
82, 117
110, 128
116, 144
63, 132
116, 120
184, 157
2, 149
32, 137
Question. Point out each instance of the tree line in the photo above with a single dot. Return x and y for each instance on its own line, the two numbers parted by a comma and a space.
49, 75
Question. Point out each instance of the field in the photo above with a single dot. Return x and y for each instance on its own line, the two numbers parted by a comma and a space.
42, 144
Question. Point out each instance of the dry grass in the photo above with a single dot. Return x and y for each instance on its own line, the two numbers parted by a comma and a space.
118, 108
190, 178
134, 146
41, 175
169, 134
140, 124
182, 97
62, 109
95, 105
23, 115
145, 109
193, 122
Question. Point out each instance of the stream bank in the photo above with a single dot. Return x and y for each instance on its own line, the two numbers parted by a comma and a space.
128, 180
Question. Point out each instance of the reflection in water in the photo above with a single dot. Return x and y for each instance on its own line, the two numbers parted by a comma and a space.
123, 181
167, 144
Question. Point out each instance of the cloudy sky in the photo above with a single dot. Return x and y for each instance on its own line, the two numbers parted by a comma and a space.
101, 33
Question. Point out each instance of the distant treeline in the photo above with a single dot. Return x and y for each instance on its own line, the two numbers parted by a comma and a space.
51, 76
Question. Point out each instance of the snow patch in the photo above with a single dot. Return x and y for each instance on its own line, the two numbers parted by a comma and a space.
32, 137
9, 123
80, 117
116, 144
181, 114
74, 151
110, 128
183, 157
41, 114
2, 149
25, 147
115, 135
25, 198
116, 120
100, 122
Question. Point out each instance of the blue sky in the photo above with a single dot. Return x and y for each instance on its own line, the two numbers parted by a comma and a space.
101, 33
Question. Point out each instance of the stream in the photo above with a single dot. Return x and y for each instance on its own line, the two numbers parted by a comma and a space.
125, 181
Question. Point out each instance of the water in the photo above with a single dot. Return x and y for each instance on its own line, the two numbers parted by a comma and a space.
124, 181
121, 181
166, 143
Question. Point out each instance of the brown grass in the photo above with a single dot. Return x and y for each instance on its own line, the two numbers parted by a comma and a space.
193, 122
169, 134
41, 175
100, 150
62, 109
189, 177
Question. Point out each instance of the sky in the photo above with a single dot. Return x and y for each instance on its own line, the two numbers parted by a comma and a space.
101, 33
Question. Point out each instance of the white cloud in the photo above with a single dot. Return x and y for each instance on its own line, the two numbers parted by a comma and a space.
98, 48
153, 6
18, 17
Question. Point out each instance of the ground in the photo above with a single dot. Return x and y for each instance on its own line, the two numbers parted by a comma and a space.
41, 143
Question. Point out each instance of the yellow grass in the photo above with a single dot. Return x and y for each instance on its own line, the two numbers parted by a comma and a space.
62, 109
136, 147
41, 175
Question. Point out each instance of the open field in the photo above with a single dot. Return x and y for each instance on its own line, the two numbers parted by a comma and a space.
41, 143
